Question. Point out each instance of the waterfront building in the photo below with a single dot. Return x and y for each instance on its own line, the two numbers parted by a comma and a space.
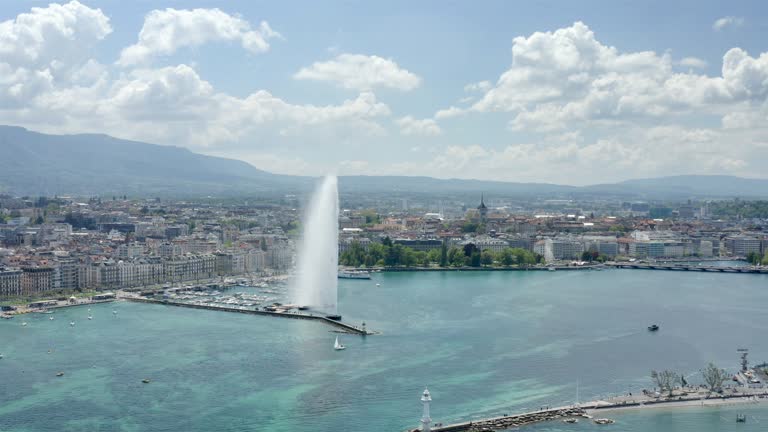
346, 242
559, 249
69, 274
605, 245
742, 245
488, 243
10, 281
255, 260
38, 279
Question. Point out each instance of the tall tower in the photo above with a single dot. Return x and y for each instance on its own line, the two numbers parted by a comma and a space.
426, 421
483, 210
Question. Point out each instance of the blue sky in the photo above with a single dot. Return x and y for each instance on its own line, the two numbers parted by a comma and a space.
550, 91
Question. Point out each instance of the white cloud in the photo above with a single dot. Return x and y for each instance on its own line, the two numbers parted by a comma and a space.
360, 72
567, 78
693, 62
47, 47
449, 112
568, 159
166, 31
478, 86
425, 127
727, 21
54, 33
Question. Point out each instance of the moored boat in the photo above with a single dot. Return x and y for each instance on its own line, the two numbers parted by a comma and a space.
354, 274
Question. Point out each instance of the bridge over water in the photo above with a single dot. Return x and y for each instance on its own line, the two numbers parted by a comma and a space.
690, 267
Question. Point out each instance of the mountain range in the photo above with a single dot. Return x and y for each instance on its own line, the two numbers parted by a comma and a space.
92, 164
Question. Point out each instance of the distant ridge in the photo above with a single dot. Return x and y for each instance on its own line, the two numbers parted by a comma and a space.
91, 164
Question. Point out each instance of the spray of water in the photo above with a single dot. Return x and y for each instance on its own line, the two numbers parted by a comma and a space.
316, 284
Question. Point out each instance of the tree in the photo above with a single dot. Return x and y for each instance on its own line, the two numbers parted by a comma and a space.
507, 257
456, 257
475, 258
443, 255
714, 377
765, 259
753, 258
664, 380
487, 257
469, 249
435, 256
39, 220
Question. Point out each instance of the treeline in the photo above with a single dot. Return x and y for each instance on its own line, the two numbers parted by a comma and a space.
738, 208
755, 258
389, 254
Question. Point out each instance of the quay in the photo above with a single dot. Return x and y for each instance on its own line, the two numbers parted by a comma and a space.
347, 328
688, 267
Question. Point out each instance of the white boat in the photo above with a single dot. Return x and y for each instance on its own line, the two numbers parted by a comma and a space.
114, 312
354, 274
50, 318
90, 317
71, 323
1, 356
24, 324
337, 346
378, 284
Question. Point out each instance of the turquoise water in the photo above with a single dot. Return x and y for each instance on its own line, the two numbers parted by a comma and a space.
485, 343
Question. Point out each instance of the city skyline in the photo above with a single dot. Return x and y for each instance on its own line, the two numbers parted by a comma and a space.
515, 92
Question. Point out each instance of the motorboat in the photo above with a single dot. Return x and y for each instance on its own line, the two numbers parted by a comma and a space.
71, 323
146, 381
24, 324
570, 420
337, 345
604, 421
653, 328
50, 318
90, 317
58, 374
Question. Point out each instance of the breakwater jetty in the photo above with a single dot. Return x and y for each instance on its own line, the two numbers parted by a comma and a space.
588, 409
347, 328
510, 421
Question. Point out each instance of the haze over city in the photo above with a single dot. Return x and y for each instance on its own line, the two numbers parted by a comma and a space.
574, 94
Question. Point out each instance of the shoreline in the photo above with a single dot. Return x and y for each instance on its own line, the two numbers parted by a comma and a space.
757, 398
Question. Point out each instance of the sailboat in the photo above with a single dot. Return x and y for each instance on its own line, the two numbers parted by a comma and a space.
337, 346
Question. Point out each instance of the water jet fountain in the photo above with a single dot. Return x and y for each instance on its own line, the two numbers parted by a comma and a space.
316, 284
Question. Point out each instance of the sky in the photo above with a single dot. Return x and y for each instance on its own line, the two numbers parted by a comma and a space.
527, 91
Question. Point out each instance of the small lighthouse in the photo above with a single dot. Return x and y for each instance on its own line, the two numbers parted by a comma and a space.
426, 421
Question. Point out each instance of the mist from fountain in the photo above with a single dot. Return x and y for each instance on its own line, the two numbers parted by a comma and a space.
316, 284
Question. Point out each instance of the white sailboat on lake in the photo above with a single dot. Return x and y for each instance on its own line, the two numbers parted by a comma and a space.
338, 346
